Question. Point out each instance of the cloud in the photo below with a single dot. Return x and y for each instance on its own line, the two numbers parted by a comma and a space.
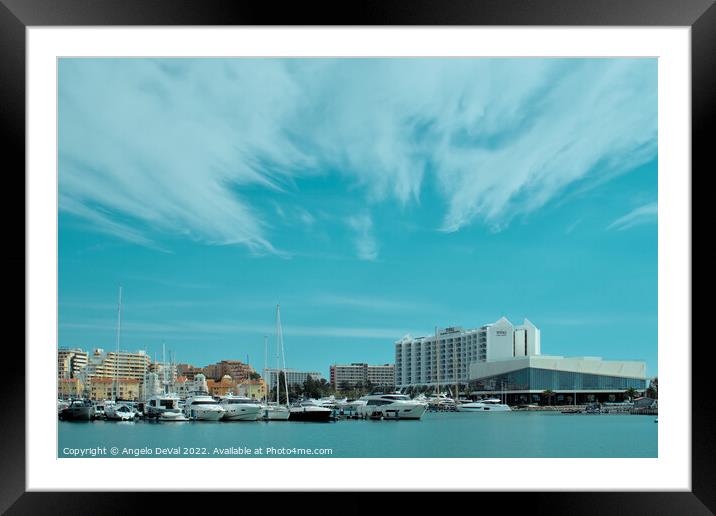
646, 214
571, 227
190, 147
365, 243
199, 328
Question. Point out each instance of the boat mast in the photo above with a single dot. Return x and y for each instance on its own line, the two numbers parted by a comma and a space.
454, 369
164, 367
265, 362
116, 356
437, 362
283, 354
278, 377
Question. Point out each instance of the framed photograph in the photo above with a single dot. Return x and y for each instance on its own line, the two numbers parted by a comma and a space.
424, 249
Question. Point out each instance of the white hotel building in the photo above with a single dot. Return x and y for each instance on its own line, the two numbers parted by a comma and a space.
506, 358
415, 358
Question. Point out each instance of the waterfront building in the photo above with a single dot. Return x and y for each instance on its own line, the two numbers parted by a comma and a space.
292, 376
70, 362
236, 369
255, 389
416, 358
110, 364
69, 388
161, 369
571, 380
222, 387
100, 388
188, 371
348, 376
182, 386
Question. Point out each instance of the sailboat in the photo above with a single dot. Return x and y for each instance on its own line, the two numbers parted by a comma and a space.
164, 406
278, 412
118, 411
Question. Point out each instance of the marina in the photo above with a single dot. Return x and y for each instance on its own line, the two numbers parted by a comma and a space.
437, 434
494, 423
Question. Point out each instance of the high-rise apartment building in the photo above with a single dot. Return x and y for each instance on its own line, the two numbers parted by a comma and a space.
418, 361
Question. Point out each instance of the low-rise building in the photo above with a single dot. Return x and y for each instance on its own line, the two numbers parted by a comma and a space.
69, 388
292, 376
571, 380
348, 376
255, 389
100, 388
222, 387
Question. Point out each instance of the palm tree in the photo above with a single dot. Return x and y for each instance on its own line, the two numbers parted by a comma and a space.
549, 394
631, 392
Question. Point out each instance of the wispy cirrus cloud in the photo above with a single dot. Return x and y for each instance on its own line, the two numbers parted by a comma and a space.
179, 147
186, 327
646, 214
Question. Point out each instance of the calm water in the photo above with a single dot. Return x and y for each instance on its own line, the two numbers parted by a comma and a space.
515, 434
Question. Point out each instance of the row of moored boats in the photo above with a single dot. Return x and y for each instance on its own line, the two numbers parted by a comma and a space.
200, 406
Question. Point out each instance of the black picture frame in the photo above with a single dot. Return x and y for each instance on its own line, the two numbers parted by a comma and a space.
700, 15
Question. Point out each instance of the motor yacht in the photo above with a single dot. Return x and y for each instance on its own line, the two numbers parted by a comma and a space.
487, 405
240, 408
99, 410
202, 407
120, 412
392, 406
62, 405
164, 407
78, 410
309, 410
331, 402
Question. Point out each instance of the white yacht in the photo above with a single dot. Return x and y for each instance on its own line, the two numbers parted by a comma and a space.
488, 405
239, 408
391, 406
441, 401
309, 410
202, 407
331, 402
119, 412
274, 412
164, 407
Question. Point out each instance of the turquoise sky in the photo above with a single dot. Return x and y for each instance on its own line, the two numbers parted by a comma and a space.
370, 197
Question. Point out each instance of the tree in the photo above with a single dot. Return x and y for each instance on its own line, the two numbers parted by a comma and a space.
549, 394
631, 393
653, 390
344, 386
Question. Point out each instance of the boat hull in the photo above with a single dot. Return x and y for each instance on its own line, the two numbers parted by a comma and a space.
484, 408
171, 416
77, 414
272, 414
408, 411
205, 415
242, 413
302, 414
